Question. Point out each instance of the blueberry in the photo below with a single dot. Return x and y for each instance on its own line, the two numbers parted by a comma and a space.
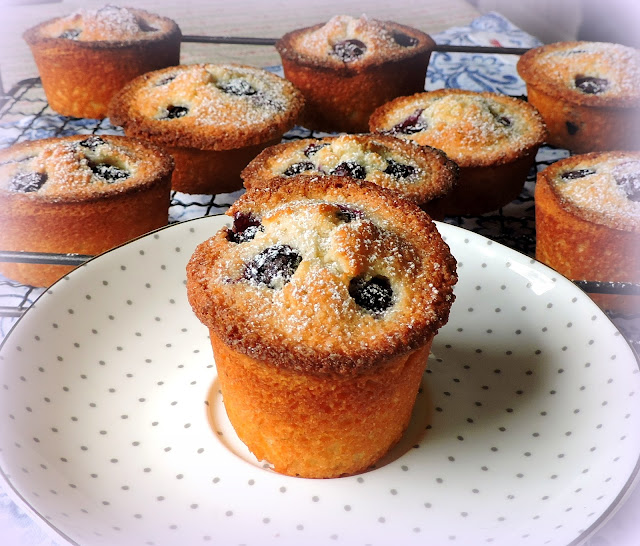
146, 27
630, 183
70, 34
412, 124
245, 227
348, 214
27, 182
92, 142
298, 168
399, 170
312, 149
499, 118
165, 80
404, 40
110, 173
349, 50
579, 173
350, 168
572, 128
374, 295
274, 266
591, 85
174, 112
237, 86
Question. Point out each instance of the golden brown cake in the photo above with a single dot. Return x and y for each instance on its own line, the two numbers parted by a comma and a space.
322, 300
85, 57
492, 137
78, 194
419, 173
587, 92
348, 67
212, 118
588, 220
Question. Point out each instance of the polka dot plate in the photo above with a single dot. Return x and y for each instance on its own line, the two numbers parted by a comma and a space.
526, 430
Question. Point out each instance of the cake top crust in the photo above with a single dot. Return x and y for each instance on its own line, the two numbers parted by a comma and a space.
600, 187
325, 275
80, 168
419, 173
586, 73
107, 26
353, 44
474, 129
207, 106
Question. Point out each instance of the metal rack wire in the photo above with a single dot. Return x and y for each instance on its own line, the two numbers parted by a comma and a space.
26, 115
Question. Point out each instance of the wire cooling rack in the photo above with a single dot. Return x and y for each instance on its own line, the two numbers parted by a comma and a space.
26, 115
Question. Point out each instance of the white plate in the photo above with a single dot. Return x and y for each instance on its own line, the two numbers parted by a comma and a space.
527, 429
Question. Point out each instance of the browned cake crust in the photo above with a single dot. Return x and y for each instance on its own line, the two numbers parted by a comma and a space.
201, 112
322, 301
84, 58
587, 92
80, 195
588, 220
421, 174
492, 137
348, 67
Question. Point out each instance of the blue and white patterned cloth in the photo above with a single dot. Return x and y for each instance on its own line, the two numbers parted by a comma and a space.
477, 72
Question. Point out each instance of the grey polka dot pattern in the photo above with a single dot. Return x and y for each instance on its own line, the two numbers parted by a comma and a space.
526, 429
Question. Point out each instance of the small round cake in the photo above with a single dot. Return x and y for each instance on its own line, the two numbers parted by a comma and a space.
213, 119
419, 173
78, 194
322, 300
492, 137
587, 92
85, 57
588, 221
348, 67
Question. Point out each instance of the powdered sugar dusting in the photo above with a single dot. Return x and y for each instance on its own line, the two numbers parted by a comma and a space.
377, 37
200, 89
107, 23
618, 65
467, 126
72, 170
315, 311
609, 187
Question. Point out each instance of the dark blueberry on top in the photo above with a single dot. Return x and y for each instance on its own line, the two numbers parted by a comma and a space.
245, 227
70, 34
374, 295
174, 112
146, 27
110, 173
298, 168
237, 86
165, 80
413, 124
312, 149
579, 173
399, 170
274, 266
630, 183
27, 182
92, 142
404, 40
350, 168
591, 85
572, 128
348, 214
349, 50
